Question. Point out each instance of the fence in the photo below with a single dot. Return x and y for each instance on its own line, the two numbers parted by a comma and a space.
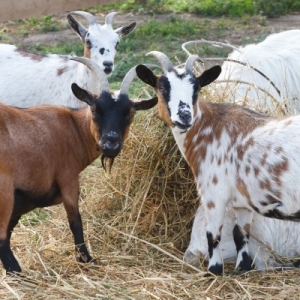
19, 9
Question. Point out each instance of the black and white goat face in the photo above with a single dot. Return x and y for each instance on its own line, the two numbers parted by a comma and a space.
177, 89
100, 41
179, 92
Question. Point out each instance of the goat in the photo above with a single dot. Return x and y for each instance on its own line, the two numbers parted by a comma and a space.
264, 76
49, 77
44, 148
239, 157
271, 241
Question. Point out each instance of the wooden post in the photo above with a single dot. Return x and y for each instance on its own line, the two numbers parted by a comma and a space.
19, 9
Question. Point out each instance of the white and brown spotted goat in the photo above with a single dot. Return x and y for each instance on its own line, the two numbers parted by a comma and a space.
239, 158
44, 148
29, 79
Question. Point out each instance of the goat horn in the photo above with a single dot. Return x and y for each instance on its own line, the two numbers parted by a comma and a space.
190, 63
131, 74
96, 69
163, 59
109, 18
89, 17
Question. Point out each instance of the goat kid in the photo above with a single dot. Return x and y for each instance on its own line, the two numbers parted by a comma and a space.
49, 77
44, 149
239, 157
271, 241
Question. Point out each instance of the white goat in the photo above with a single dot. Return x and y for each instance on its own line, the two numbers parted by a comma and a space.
239, 158
271, 241
29, 79
263, 76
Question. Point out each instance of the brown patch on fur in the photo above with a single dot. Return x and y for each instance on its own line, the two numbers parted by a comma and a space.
33, 56
86, 52
61, 70
278, 150
242, 149
163, 111
263, 161
220, 228
247, 227
247, 170
215, 180
256, 171
210, 205
278, 169
265, 184
242, 188
272, 199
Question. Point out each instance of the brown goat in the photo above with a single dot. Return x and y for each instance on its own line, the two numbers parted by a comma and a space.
43, 150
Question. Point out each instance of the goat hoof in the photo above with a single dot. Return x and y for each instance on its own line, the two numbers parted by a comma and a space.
216, 269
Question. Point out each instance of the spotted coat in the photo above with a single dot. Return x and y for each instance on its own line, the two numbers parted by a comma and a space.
239, 158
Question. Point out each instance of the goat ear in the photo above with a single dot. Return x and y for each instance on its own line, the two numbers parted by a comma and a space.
82, 94
77, 27
124, 30
146, 75
209, 76
145, 104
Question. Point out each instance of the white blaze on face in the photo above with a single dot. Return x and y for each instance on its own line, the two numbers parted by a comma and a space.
181, 96
104, 41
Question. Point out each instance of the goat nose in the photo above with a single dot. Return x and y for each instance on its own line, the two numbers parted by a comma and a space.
108, 65
111, 145
185, 116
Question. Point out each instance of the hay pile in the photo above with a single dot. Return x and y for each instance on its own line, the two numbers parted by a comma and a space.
137, 223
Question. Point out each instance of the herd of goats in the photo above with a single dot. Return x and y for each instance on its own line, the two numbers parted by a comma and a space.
58, 114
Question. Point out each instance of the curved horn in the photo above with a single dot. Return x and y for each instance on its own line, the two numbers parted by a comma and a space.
190, 63
89, 17
131, 74
96, 69
163, 59
109, 18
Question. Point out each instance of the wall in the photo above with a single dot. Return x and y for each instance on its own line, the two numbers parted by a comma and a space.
19, 9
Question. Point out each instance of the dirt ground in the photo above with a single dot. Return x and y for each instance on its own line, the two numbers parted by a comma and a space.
257, 26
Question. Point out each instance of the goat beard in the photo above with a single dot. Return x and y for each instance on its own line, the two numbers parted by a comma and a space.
110, 162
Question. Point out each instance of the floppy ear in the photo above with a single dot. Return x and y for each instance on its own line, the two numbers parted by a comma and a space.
146, 75
145, 104
82, 94
77, 27
209, 76
126, 29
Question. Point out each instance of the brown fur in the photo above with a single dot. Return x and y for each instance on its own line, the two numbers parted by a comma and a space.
219, 117
41, 147
33, 56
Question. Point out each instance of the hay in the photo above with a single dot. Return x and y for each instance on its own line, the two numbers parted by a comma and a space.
137, 222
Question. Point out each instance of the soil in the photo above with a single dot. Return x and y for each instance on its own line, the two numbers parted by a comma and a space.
257, 26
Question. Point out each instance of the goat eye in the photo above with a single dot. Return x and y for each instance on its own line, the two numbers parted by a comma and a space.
117, 46
161, 89
88, 44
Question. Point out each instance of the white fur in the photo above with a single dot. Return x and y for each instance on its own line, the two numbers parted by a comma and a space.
277, 57
271, 241
244, 160
28, 79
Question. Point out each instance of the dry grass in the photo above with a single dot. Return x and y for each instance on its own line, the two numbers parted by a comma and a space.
137, 223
